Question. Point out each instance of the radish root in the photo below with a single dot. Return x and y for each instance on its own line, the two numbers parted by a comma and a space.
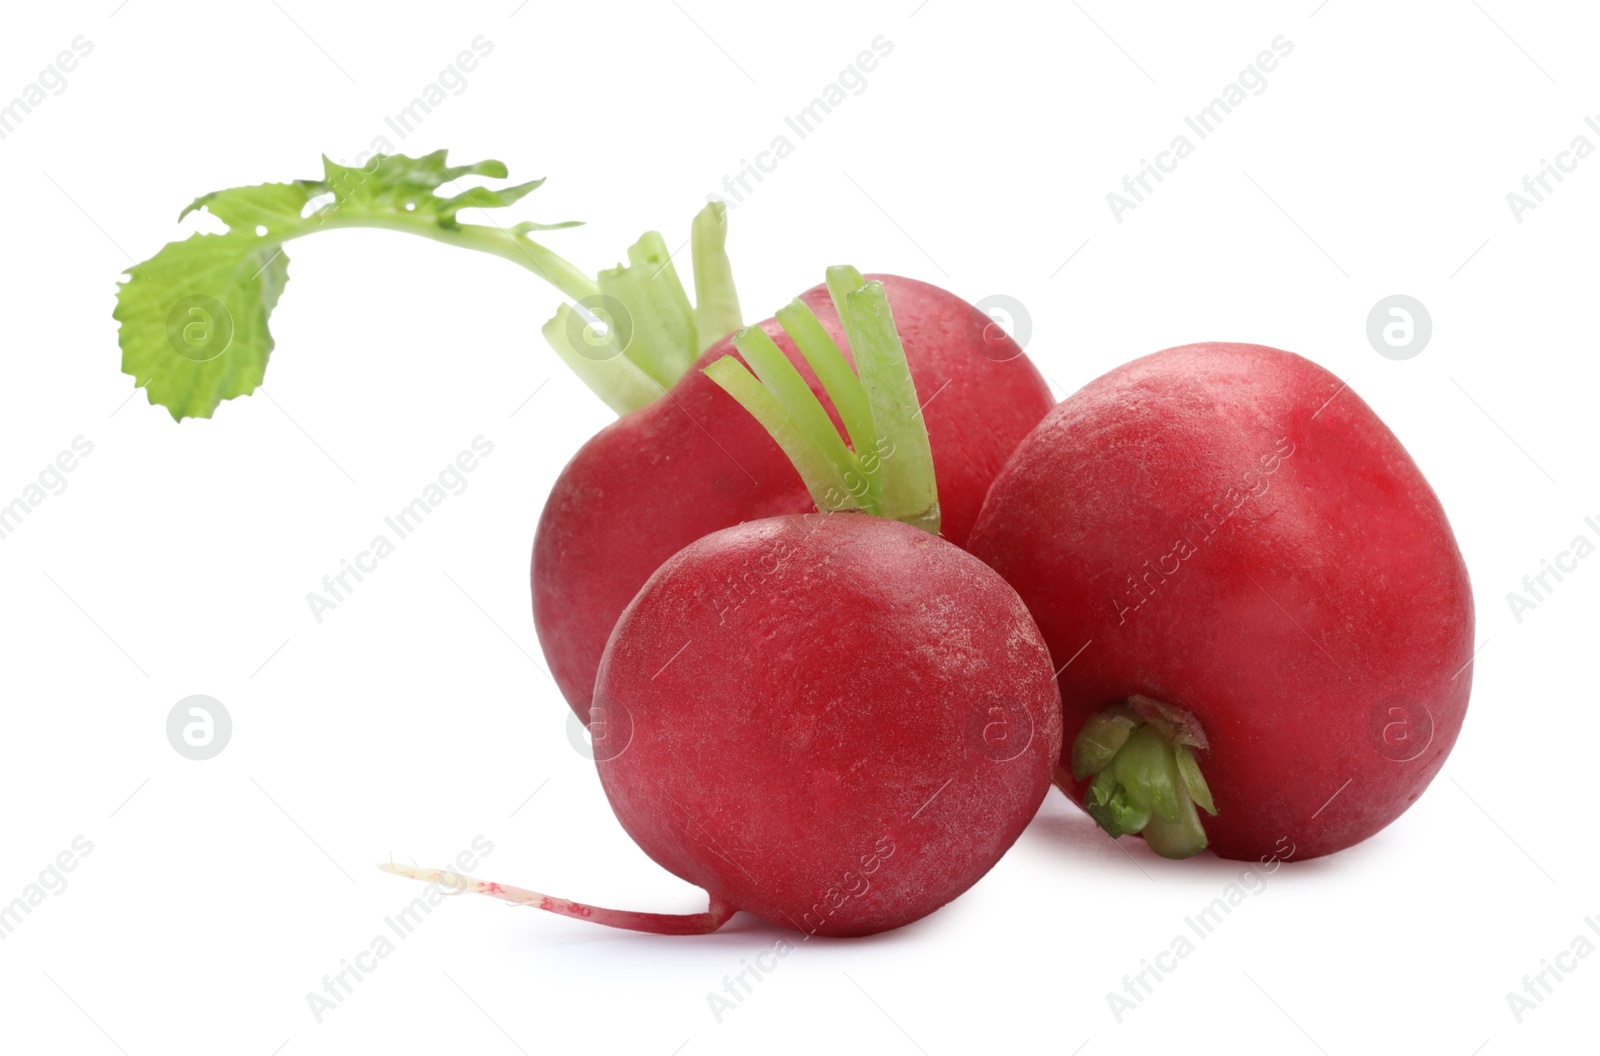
716, 915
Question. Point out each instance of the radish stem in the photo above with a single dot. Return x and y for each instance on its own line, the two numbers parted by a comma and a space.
495, 241
716, 302
659, 319
877, 402
825, 470
833, 371
598, 363
909, 493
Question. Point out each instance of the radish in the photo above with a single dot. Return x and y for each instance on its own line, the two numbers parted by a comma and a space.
693, 462
1256, 600
864, 735
684, 460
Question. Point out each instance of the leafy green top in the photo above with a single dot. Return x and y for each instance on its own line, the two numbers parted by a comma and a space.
194, 317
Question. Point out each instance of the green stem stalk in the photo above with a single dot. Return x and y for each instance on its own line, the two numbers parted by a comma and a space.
716, 302
888, 470
499, 242
650, 340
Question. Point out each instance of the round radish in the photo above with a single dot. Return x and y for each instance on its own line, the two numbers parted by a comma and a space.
1258, 601
693, 461
869, 731
859, 731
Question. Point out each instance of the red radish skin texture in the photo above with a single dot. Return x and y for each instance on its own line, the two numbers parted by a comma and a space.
694, 461
824, 755
1335, 593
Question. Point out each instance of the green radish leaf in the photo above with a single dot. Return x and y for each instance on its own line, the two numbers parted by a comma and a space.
277, 206
194, 318
397, 183
484, 198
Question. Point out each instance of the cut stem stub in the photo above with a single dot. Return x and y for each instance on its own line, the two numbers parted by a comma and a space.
1146, 776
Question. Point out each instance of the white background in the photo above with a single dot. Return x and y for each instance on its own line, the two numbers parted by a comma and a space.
979, 156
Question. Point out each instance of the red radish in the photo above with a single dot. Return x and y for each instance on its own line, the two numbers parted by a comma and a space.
693, 462
861, 735
841, 708
1244, 574
683, 461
